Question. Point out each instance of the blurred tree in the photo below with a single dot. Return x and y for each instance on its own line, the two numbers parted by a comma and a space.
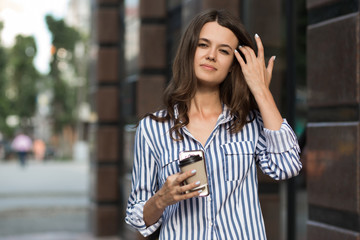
64, 39
23, 77
4, 101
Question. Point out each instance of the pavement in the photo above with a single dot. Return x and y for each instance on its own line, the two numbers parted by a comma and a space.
45, 201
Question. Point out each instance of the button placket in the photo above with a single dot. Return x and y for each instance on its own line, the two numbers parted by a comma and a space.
210, 213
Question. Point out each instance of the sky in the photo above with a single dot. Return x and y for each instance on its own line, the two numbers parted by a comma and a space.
27, 17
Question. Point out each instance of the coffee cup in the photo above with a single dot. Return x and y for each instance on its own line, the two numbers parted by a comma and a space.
195, 162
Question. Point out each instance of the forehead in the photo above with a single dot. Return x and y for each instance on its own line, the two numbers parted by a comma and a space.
218, 34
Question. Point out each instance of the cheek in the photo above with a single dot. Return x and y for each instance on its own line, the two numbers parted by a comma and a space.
196, 57
199, 53
228, 64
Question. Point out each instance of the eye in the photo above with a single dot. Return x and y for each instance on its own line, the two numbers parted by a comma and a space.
224, 51
202, 45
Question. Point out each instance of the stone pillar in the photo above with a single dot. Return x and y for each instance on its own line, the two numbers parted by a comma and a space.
106, 153
152, 56
333, 132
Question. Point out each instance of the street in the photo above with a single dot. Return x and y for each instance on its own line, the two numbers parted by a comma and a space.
44, 201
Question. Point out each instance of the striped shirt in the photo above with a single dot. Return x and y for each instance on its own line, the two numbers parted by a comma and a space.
232, 209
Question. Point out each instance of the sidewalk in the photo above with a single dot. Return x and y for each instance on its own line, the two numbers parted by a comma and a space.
44, 201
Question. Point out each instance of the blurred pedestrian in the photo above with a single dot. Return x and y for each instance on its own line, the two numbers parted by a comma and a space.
39, 149
22, 145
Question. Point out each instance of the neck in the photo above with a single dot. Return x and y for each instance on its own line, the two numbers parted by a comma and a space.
206, 102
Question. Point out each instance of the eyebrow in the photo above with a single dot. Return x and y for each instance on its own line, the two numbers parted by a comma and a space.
221, 45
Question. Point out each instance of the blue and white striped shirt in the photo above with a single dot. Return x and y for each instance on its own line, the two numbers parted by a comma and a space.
232, 209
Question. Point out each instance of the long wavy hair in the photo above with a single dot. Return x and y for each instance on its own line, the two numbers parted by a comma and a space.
234, 91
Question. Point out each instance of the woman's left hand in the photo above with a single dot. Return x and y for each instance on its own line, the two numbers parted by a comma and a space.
256, 74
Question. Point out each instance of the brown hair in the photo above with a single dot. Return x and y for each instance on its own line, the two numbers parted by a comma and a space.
234, 91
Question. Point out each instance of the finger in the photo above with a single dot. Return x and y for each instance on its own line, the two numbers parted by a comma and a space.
270, 66
187, 195
183, 176
189, 186
192, 194
239, 58
249, 54
259, 46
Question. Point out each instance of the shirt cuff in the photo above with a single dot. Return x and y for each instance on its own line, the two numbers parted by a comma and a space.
135, 218
282, 140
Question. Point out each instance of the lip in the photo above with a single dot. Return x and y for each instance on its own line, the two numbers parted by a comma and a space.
208, 67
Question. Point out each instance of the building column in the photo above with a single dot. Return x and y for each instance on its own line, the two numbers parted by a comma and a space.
333, 132
105, 209
152, 56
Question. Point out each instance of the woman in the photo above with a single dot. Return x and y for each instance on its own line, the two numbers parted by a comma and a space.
218, 101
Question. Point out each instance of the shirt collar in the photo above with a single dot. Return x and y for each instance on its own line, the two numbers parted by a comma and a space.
226, 115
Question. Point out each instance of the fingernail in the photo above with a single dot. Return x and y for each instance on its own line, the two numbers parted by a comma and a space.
197, 183
240, 46
274, 58
236, 50
199, 191
256, 35
193, 171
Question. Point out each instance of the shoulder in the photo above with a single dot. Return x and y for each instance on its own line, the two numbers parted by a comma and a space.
153, 117
153, 130
161, 113
153, 120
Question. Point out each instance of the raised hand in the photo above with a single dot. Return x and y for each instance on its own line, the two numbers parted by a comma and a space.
256, 74
258, 77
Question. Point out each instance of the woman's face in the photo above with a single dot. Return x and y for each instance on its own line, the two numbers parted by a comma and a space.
214, 54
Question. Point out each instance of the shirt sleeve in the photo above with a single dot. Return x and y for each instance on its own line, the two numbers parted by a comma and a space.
143, 185
278, 152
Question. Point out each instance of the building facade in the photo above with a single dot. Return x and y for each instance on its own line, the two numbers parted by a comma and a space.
333, 79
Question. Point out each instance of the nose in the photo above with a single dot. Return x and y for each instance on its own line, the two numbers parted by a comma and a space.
211, 55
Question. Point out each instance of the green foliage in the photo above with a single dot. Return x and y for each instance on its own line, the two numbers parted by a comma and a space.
64, 95
63, 36
18, 82
64, 101
23, 77
4, 101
